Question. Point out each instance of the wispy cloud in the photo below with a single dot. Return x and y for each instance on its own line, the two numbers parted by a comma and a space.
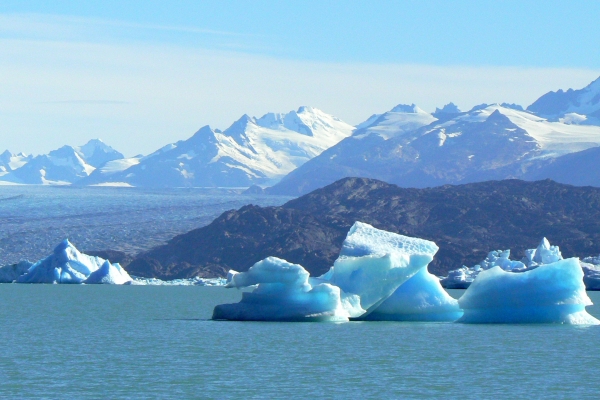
87, 102
170, 90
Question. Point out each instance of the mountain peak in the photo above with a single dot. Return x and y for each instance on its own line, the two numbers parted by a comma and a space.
405, 108
448, 109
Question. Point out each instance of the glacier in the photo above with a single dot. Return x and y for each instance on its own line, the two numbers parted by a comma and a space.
552, 293
373, 268
67, 265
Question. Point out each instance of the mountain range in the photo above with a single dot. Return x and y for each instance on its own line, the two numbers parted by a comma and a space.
466, 221
61, 166
556, 137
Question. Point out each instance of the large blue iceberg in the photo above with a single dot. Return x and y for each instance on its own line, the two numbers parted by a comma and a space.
371, 273
67, 265
551, 293
382, 276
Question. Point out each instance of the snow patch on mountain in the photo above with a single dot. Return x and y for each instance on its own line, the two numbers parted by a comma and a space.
553, 138
251, 151
62, 166
557, 105
399, 120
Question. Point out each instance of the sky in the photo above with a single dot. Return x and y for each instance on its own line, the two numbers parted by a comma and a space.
142, 74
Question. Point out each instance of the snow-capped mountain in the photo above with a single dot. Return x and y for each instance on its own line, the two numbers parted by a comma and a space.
9, 161
251, 151
63, 166
571, 107
96, 153
487, 142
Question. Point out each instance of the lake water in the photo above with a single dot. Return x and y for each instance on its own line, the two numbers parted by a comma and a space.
34, 219
62, 341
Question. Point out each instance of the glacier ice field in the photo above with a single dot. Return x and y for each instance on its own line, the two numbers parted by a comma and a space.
35, 219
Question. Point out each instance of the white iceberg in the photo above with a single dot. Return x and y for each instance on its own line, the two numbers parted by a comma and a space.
283, 293
196, 281
112, 274
551, 293
68, 265
462, 278
372, 265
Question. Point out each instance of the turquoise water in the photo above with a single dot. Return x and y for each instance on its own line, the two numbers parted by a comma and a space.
61, 341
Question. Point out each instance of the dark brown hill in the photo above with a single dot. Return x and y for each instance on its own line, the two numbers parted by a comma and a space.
466, 221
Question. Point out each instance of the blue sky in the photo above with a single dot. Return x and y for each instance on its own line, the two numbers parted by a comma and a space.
140, 74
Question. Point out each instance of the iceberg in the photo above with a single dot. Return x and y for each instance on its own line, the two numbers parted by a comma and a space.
462, 278
551, 293
591, 272
421, 298
283, 293
68, 265
108, 273
373, 265
9, 273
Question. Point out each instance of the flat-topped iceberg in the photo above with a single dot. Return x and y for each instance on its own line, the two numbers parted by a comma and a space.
372, 267
67, 265
374, 263
551, 293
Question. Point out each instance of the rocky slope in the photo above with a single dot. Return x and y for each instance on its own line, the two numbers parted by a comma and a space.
466, 221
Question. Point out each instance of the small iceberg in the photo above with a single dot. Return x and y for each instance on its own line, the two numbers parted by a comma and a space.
68, 265
463, 277
10, 273
283, 293
112, 274
551, 293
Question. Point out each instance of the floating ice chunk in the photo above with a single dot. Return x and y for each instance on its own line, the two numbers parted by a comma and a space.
421, 298
109, 273
68, 265
591, 275
463, 277
177, 282
374, 263
543, 254
552, 293
10, 273
283, 293
65, 265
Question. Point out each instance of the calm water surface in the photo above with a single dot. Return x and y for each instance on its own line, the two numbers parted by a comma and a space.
61, 341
